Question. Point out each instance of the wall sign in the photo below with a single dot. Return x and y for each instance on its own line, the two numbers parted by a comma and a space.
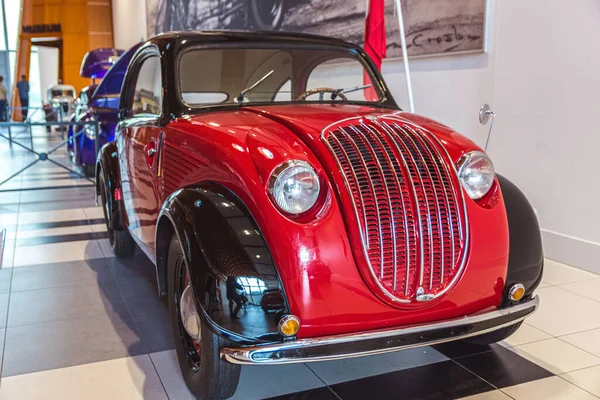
41, 28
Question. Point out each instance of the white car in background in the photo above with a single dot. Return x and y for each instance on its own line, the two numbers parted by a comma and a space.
61, 99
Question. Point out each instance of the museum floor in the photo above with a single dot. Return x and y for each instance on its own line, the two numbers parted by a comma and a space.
76, 323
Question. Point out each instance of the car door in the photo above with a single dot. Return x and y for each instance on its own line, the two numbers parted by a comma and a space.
139, 135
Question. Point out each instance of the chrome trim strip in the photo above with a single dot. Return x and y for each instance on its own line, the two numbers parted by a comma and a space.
406, 130
365, 247
391, 209
464, 221
389, 156
397, 139
415, 200
364, 233
247, 355
444, 189
366, 167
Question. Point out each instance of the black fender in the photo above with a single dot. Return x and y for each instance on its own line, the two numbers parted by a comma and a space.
107, 164
221, 239
526, 254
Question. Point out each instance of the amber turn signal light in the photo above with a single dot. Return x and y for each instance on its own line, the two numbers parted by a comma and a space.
516, 292
289, 325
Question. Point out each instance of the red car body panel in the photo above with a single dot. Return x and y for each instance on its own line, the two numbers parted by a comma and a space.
314, 254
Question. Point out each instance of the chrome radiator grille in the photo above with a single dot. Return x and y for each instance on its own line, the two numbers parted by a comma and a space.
407, 202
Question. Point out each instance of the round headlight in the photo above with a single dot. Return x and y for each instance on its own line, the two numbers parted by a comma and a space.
295, 186
90, 132
476, 174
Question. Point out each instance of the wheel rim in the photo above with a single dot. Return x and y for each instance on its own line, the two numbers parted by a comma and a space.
183, 297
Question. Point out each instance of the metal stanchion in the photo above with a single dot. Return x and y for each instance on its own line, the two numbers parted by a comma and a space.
45, 156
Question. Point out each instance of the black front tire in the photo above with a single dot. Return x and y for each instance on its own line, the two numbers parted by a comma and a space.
121, 242
89, 170
494, 336
206, 375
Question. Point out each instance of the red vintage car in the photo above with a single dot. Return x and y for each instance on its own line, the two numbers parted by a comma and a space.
247, 163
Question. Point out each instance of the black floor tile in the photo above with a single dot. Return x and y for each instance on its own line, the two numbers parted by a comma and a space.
68, 343
443, 380
323, 393
502, 367
89, 272
135, 276
60, 224
459, 348
75, 237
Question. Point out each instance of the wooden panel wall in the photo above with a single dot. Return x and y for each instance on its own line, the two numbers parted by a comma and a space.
85, 25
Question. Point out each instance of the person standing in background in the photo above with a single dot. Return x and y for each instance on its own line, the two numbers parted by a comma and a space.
3, 102
23, 88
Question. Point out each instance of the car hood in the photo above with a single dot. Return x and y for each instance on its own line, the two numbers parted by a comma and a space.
309, 121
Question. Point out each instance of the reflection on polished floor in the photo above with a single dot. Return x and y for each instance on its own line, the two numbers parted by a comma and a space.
76, 323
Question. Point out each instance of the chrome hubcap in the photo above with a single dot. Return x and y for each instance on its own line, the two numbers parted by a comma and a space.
189, 315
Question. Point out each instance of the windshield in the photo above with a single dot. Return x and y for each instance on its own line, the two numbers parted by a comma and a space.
59, 93
258, 75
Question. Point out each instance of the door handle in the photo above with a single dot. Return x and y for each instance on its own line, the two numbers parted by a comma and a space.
150, 152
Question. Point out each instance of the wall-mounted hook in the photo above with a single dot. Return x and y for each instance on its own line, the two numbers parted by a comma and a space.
484, 116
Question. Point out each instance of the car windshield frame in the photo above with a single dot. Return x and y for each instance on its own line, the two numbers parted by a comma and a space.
352, 54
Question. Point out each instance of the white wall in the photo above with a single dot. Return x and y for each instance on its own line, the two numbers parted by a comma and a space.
540, 75
546, 96
48, 69
129, 22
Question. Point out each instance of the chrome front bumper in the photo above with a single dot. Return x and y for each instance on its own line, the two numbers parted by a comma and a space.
380, 341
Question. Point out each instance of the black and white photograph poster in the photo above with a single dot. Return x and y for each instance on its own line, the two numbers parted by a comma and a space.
433, 27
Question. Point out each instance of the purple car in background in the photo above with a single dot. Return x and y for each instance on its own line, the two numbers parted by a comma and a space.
98, 103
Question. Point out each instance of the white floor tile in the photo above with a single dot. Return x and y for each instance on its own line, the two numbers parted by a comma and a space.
99, 227
8, 256
94, 212
57, 252
562, 312
493, 395
589, 288
556, 356
588, 341
47, 183
553, 388
7, 220
525, 334
587, 379
256, 382
72, 214
122, 379
167, 366
105, 248
556, 273
69, 230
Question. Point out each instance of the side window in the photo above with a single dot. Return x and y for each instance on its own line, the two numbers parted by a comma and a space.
147, 97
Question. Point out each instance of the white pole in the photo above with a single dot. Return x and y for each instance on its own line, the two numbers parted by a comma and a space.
405, 56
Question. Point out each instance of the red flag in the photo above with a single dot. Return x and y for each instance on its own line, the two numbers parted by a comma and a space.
375, 40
